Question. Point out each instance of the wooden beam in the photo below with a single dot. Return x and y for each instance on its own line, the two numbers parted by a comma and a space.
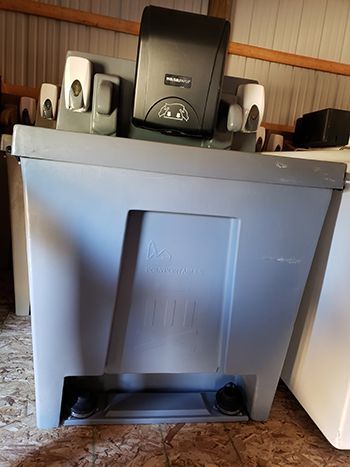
278, 127
131, 27
220, 8
70, 15
16, 90
285, 58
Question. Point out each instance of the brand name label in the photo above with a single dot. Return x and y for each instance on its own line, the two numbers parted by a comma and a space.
178, 81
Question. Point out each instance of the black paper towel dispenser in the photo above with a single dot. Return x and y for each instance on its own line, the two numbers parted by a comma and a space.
179, 71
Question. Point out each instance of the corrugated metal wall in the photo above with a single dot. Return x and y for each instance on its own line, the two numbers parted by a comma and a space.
32, 50
317, 28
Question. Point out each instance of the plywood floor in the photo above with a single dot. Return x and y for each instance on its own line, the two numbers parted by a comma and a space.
288, 438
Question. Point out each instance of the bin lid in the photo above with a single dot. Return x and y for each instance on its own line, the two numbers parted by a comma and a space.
65, 146
322, 154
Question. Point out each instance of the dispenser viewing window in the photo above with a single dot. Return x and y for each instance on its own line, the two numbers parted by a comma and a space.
179, 71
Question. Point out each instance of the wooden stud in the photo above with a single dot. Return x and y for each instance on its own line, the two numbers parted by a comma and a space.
220, 8
278, 128
70, 15
16, 90
285, 58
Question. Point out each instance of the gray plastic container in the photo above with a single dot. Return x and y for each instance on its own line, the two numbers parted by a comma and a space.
164, 268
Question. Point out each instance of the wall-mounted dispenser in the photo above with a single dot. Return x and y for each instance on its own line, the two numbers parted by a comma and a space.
274, 143
234, 118
111, 95
5, 143
27, 110
48, 105
246, 113
251, 98
105, 99
241, 111
48, 101
8, 117
77, 83
260, 139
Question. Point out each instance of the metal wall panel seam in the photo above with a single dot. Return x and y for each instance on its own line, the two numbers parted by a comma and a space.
2, 42
346, 40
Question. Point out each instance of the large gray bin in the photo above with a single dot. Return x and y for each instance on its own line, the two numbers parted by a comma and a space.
165, 268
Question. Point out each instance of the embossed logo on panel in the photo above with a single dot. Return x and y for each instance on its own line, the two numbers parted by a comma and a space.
155, 253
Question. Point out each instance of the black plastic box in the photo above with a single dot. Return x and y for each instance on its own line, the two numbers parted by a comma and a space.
179, 71
324, 128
